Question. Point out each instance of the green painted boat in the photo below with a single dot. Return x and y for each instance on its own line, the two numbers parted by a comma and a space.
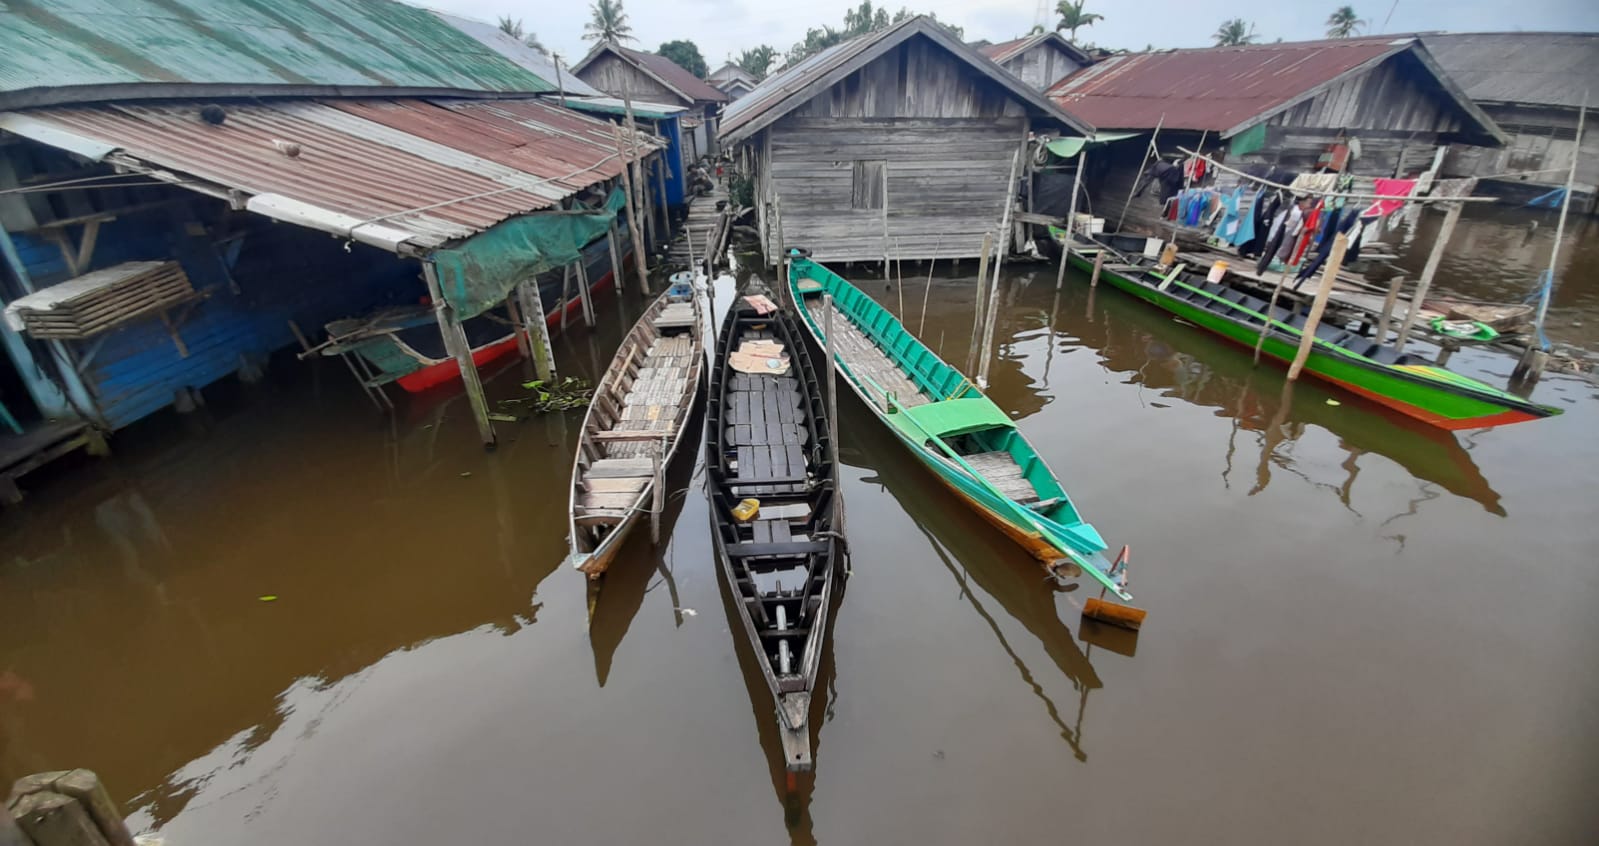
966, 440
1410, 384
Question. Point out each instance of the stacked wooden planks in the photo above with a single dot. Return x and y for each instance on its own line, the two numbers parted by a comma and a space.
102, 300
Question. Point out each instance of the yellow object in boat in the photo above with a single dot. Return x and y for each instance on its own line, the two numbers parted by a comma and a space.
746, 510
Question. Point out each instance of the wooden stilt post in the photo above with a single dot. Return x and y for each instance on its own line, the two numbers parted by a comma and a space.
1386, 321
1071, 218
782, 249
899, 281
584, 295
991, 317
566, 295
632, 214
1451, 217
537, 328
1329, 275
1099, 264
518, 329
1153, 149
658, 167
885, 224
618, 272
977, 313
455, 341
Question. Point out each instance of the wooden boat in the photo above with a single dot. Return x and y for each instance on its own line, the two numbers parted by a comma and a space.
635, 425
766, 438
956, 431
1351, 360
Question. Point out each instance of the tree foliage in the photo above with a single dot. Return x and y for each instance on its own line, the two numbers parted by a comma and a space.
608, 22
857, 21
514, 29
686, 55
1235, 33
1343, 23
1073, 18
757, 61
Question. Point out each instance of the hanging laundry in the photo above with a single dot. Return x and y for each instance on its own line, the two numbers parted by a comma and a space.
1390, 188
1311, 230
1291, 229
1246, 221
1274, 239
1265, 214
1314, 183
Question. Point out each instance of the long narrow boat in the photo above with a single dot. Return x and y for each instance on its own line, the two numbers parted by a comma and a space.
951, 427
766, 438
1351, 360
635, 425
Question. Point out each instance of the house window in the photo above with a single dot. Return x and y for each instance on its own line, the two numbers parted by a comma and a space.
867, 189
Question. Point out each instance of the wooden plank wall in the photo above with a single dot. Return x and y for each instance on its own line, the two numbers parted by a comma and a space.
610, 74
1541, 137
1042, 66
946, 184
1394, 97
945, 135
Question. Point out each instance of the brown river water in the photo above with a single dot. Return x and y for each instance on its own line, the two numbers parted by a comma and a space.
1360, 630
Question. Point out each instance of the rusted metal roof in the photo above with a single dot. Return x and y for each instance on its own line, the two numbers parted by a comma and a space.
1522, 68
795, 85
1216, 89
690, 87
60, 51
402, 174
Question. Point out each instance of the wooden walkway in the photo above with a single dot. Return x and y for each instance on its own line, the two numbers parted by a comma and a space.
867, 359
703, 220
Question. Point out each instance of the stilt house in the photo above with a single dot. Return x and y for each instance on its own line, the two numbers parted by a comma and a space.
1368, 106
621, 72
897, 144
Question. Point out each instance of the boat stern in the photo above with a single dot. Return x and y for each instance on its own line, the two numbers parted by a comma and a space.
793, 725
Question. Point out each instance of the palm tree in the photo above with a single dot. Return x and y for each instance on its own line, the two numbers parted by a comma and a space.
1072, 17
533, 43
1234, 33
608, 22
510, 27
1342, 23
757, 61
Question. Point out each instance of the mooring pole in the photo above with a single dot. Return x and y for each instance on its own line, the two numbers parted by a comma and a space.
977, 312
632, 213
537, 328
1071, 216
584, 295
658, 494
618, 273
832, 396
1308, 337
1560, 228
1451, 217
990, 318
1385, 322
455, 342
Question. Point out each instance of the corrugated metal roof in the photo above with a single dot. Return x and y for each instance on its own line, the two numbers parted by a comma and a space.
381, 171
688, 86
794, 86
1215, 89
536, 63
1010, 49
1534, 68
617, 106
58, 51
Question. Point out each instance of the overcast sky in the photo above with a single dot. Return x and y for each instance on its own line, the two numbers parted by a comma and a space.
723, 27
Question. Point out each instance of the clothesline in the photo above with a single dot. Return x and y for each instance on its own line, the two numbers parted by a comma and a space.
1268, 183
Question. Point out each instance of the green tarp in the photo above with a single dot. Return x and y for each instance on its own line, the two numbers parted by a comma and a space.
1069, 147
480, 272
1248, 141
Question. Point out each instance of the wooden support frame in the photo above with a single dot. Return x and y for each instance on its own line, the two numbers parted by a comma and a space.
460, 349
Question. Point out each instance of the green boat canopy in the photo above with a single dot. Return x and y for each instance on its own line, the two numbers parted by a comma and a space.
959, 416
1069, 147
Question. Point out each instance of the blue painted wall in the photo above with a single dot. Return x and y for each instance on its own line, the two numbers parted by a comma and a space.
672, 129
256, 282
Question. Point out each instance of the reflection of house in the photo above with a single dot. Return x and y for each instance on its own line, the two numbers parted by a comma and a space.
1040, 60
621, 72
188, 205
732, 80
896, 143
1380, 105
1532, 84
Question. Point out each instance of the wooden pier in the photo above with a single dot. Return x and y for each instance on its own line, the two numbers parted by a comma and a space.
705, 231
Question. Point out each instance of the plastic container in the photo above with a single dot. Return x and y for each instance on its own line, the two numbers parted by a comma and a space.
1217, 272
746, 510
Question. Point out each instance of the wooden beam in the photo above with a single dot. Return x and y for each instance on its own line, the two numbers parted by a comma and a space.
1451, 217
460, 349
1329, 275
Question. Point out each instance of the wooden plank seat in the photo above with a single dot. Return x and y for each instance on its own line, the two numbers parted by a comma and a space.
792, 548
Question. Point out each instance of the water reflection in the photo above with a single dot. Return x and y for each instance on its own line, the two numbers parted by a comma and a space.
642, 566
983, 564
1184, 363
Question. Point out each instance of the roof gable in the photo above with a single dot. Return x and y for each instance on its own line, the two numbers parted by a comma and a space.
1011, 49
659, 68
796, 85
1228, 89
